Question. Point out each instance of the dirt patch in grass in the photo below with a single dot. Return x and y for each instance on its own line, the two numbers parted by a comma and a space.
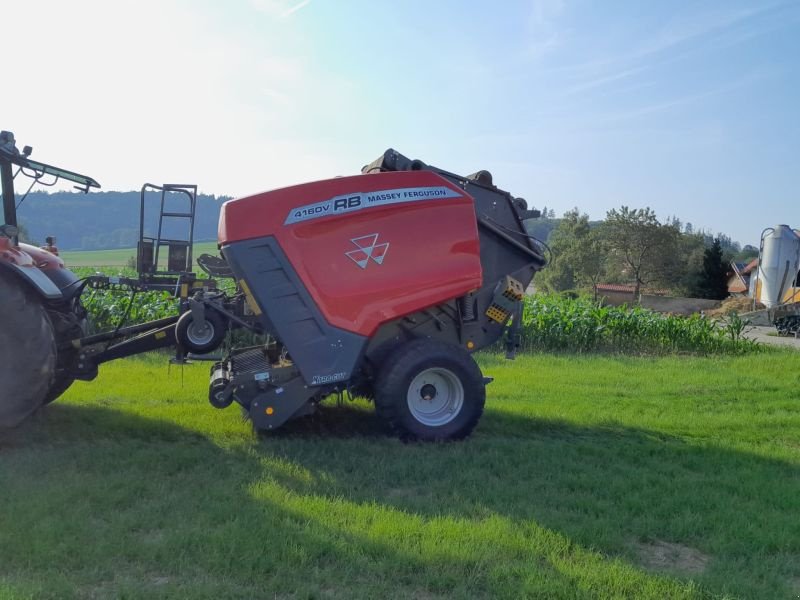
658, 555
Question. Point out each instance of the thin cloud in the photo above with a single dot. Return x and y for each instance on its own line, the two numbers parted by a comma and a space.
697, 26
281, 9
746, 80
543, 32
679, 40
295, 8
602, 81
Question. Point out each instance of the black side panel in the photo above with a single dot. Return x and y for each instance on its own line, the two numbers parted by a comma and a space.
323, 354
37, 280
65, 280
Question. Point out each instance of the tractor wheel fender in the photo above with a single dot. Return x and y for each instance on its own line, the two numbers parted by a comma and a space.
27, 350
35, 279
430, 390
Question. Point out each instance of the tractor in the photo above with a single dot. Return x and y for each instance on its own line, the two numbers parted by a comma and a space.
379, 285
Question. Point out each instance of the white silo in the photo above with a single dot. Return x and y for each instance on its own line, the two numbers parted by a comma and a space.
778, 263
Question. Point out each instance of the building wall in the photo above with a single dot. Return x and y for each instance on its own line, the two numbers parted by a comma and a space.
666, 304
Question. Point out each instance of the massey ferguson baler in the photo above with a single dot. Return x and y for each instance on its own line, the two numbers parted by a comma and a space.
383, 283
379, 285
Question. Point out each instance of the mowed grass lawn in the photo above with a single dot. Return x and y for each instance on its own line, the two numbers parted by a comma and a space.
587, 477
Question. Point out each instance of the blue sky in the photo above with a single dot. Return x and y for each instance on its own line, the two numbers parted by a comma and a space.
690, 108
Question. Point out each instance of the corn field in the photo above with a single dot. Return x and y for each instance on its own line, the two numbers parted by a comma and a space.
550, 323
107, 309
555, 323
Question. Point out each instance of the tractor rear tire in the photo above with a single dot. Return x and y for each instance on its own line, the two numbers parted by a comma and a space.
432, 391
27, 351
61, 384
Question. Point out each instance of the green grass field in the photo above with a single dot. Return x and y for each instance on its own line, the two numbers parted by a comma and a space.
119, 257
588, 477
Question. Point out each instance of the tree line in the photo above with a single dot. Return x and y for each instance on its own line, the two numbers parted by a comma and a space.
102, 220
633, 247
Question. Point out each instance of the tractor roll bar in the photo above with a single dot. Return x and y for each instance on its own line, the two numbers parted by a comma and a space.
10, 155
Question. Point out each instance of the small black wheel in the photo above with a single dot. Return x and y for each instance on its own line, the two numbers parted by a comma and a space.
200, 338
430, 390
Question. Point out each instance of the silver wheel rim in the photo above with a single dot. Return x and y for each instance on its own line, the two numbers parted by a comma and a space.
435, 397
200, 335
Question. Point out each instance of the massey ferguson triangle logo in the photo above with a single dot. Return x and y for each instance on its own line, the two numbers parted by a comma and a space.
367, 247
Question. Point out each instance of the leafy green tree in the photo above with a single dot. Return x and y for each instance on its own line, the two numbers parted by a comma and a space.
646, 251
579, 254
691, 248
712, 282
558, 275
746, 254
593, 259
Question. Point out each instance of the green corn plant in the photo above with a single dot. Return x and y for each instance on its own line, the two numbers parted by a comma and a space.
556, 323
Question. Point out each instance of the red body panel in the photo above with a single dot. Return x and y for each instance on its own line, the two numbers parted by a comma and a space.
426, 250
45, 260
13, 255
26, 255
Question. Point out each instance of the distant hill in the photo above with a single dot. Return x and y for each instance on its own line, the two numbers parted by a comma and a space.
109, 220
105, 220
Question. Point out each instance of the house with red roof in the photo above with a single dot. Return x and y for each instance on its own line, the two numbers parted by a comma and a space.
739, 281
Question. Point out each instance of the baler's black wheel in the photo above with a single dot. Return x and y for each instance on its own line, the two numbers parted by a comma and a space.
362, 389
27, 351
202, 338
432, 391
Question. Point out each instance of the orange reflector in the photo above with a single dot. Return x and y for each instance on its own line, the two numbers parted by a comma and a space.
269, 410
470, 344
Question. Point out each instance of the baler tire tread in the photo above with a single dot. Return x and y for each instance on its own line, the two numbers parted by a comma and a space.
27, 351
395, 377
